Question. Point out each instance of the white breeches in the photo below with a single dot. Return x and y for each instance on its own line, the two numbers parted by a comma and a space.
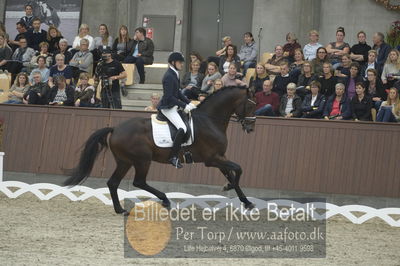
174, 117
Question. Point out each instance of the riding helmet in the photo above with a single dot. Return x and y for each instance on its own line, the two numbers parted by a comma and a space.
176, 56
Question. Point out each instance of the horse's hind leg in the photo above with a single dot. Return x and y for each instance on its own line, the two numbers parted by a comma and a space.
141, 170
113, 183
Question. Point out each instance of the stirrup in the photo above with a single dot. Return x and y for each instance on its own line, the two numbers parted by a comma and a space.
175, 162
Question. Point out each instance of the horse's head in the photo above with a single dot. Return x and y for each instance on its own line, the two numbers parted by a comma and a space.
245, 111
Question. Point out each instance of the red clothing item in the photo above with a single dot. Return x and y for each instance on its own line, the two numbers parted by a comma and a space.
272, 99
335, 108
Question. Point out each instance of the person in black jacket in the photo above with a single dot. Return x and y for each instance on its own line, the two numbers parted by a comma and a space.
359, 52
282, 80
314, 103
361, 104
36, 35
370, 64
192, 80
338, 106
351, 81
230, 57
374, 87
61, 94
382, 49
290, 105
173, 99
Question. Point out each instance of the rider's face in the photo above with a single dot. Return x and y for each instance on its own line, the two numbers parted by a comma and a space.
179, 65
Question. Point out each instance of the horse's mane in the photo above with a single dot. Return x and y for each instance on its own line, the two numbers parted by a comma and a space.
218, 92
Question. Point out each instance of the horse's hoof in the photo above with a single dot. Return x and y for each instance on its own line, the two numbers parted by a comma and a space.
249, 206
227, 187
123, 212
166, 205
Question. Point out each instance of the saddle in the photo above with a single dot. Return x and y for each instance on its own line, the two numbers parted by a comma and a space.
173, 130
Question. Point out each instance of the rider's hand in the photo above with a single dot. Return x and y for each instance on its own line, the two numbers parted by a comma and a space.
187, 109
192, 106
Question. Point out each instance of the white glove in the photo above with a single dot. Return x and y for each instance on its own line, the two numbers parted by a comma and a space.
189, 107
192, 106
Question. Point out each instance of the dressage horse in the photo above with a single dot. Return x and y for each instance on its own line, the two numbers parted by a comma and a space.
132, 144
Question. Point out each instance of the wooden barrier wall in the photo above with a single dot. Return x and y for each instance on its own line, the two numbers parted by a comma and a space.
288, 154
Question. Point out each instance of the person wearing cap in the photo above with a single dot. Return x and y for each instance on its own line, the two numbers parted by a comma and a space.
173, 100
113, 71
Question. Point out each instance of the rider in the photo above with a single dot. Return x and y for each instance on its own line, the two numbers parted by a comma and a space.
173, 99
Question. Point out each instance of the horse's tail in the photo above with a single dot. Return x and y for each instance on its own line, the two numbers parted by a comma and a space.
94, 145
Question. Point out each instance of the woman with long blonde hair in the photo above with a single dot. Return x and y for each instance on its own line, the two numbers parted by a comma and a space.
391, 69
257, 80
390, 109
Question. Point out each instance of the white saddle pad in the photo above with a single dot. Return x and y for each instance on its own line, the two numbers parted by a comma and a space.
162, 135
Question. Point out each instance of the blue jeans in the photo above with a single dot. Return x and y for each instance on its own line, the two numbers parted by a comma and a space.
265, 111
385, 114
12, 102
377, 105
248, 65
138, 61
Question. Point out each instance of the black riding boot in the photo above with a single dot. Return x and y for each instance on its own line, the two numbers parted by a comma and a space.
174, 159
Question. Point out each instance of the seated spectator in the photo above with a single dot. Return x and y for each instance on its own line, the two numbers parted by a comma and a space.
233, 78
60, 69
267, 101
38, 92
83, 34
63, 44
218, 84
192, 80
208, 81
310, 49
20, 59
391, 69
313, 103
120, 46
82, 62
337, 106
382, 49
27, 20
103, 40
84, 93
227, 40
327, 80
41, 67
273, 64
361, 104
61, 94
44, 52
290, 105
21, 28
304, 80
282, 80
295, 67
155, 99
374, 87
337, 49
359, 52
18, 89
5, 53
343, 70
36, 35
141, 53
290, 46
352, 80
317, 63
195, 56
53, 38
390, 109
229, 57
370, 64
248, 52
257, 80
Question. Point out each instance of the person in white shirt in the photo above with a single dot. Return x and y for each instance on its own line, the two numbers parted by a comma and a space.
83, 34
310, 50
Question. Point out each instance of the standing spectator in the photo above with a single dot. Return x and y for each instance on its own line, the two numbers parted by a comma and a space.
120, 46
273, 64
20, 58
155, 99
391, 69
27, 20
44, 52
374, 87
257, 80
208, 81
361, 104
390, 109
141, 53
227, 40
248, 52
191, 81
18, 89
53, 38
359, 52
233, 78
41, 67
290, 105
60, 69
267, 101
21, 28
85, 92
36, 35
290, 46
5, 53
63, 44
317, 63
282, 80
38, 91
310, 49
84, 31
313, 103
61, 94
371, 64
343, 71
338, 106
382, 49
352, 80
82, 60
327, 80
338, 48
229, 57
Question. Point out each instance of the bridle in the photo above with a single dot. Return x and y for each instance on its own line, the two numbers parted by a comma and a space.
242, 118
